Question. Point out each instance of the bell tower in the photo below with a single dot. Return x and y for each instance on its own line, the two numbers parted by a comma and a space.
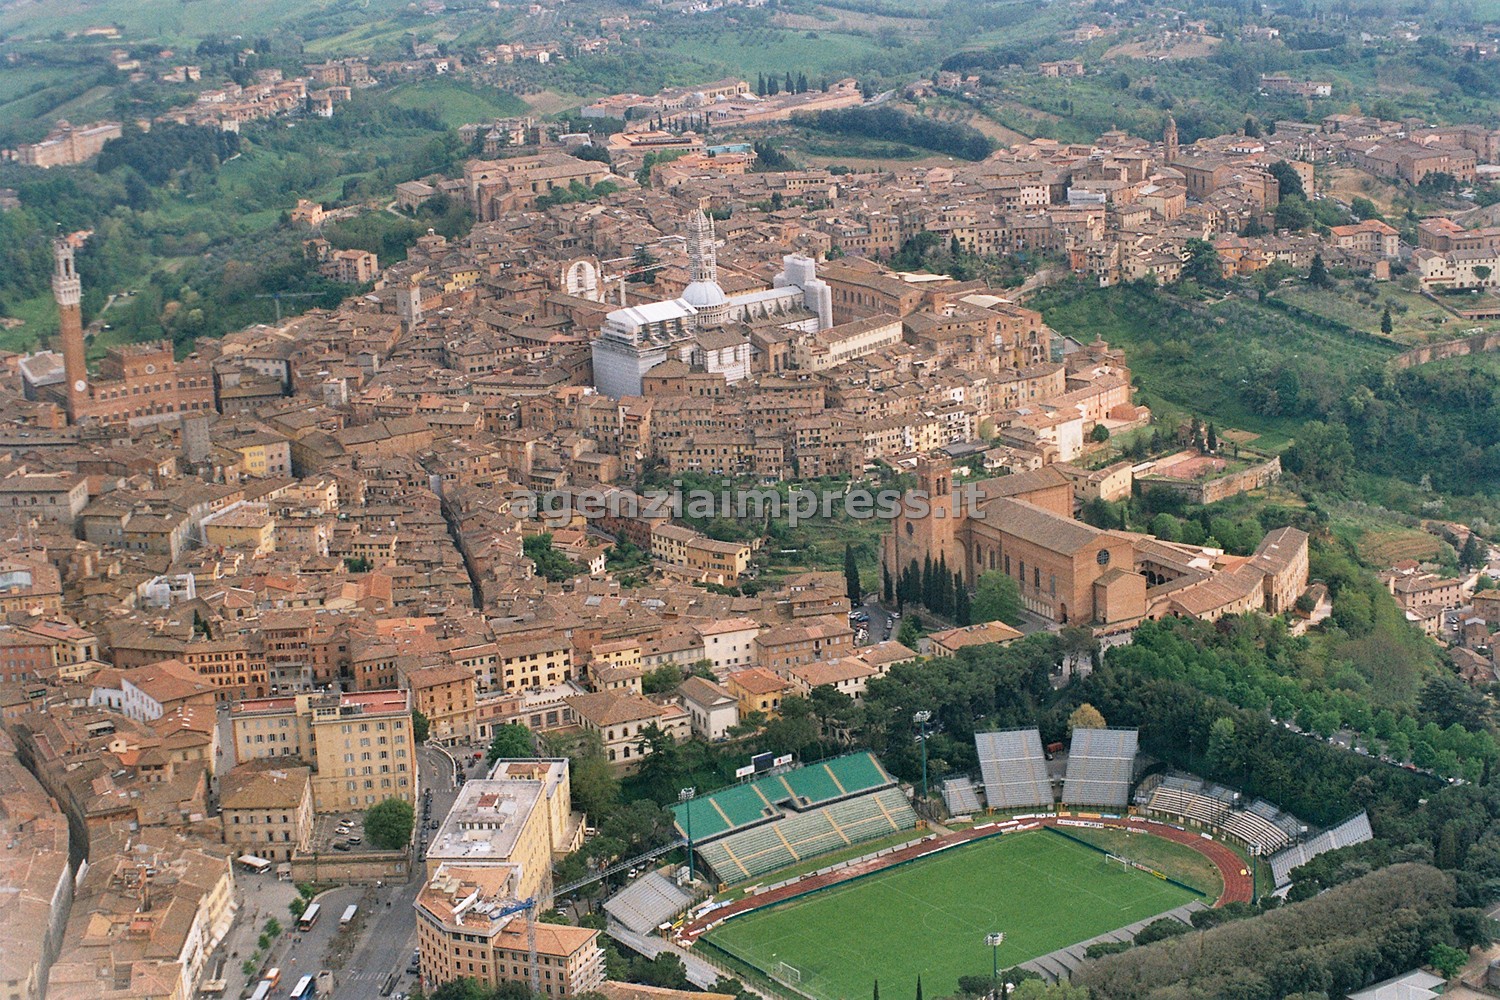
1169, 140
68, 291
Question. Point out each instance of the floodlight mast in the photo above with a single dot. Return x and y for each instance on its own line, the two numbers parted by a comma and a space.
921, 719
994, 939
686, 798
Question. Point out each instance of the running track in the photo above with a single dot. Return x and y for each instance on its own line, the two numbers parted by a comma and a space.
1238, 887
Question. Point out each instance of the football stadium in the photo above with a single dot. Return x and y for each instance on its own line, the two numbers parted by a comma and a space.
929, 917
1031, 868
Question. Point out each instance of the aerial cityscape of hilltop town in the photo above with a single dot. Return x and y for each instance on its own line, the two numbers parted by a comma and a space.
232, 574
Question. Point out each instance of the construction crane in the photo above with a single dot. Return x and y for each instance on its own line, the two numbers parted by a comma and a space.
278, 296
529, 906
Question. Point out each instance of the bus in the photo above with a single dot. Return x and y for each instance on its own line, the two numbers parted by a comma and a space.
262, 991
309, 916
349, 912
258, 865
273, 976
305, 989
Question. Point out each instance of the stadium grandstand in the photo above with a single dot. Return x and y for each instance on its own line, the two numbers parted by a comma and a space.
1200, 802
778, 820
960, 796
1014, 769
1354, 830
1260, 826
1101, 766
647, 903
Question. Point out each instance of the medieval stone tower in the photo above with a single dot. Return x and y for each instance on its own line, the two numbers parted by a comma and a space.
68, 291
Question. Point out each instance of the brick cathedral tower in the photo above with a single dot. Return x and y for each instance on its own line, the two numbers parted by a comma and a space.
68, 292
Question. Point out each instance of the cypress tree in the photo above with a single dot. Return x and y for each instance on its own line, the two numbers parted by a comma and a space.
943, 586
885, 583
851, 575
962, 613
927, 591
919, 988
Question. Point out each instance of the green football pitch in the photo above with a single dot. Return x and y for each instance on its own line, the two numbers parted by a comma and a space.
930, 918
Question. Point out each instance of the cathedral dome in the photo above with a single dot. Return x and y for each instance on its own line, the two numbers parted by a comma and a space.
703, 295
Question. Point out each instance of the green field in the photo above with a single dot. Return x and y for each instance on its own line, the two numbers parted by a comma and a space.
929, 919
458, 103
173, 20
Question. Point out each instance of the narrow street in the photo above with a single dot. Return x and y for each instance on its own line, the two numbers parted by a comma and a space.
361, 957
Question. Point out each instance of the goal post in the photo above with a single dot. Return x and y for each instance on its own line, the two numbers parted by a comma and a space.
788, 974
1116, 859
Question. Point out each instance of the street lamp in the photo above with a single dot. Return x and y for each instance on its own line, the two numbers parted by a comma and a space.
994, 939
686, 798
921, 719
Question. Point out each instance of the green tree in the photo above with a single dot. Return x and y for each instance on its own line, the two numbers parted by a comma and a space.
420, 726
1099, 434
1474, 554
1447, 960
1223, 746
660, 771
1363, 208
549, 562
510, 741
908, 634
1294, 214
1166, 527
662, 680
997, 598
596, 788
1321, 453
1317, 274
1385, 322
1201, 263
1289, 182
388, 824
851, 576
465, 988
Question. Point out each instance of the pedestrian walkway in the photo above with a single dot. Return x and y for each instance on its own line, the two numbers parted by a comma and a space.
261, 897
700, 972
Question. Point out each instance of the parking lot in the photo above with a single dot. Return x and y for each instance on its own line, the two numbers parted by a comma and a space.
335, 829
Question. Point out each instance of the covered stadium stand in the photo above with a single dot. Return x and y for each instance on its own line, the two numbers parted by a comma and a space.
960, 796
1354, 830
1192, 799
779, 820
647, 903
1259, 825
1101, 764
1014, 769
